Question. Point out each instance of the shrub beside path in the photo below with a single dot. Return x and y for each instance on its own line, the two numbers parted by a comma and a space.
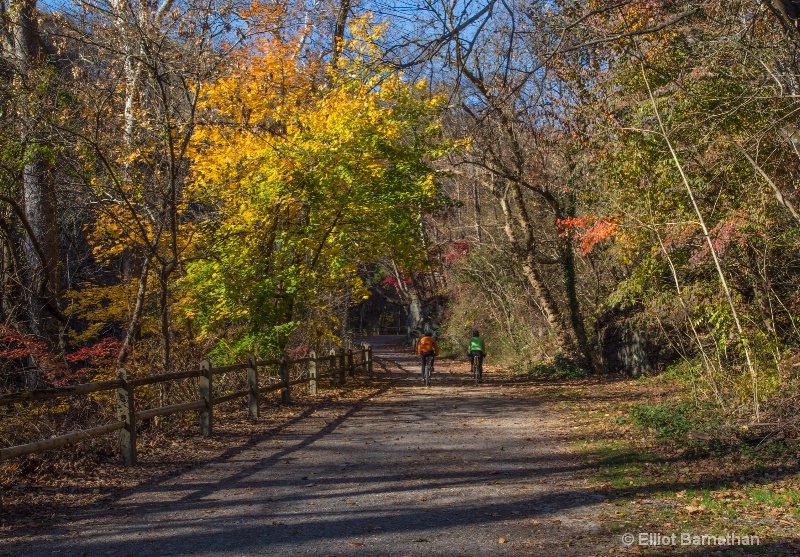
449, 470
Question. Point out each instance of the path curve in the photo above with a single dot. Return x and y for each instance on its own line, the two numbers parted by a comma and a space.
449, 470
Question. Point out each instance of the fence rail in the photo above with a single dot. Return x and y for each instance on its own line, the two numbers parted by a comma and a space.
339, 364
60, 392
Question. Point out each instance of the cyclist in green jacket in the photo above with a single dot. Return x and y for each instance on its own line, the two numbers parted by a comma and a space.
476, 350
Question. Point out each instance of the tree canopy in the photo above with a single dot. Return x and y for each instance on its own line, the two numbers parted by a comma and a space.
608, 185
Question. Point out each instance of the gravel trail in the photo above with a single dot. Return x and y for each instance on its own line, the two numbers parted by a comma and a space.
449, 470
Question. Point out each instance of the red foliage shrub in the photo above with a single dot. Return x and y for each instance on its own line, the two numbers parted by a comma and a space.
101, 352
16, 345
458, 250
723, 235
589, 230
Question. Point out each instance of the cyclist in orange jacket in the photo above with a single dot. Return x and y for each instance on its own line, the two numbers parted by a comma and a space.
427, 348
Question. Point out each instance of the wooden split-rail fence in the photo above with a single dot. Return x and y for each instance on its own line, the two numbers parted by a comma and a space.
339, 364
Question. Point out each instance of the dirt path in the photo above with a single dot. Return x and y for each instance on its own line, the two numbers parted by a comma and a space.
450, 470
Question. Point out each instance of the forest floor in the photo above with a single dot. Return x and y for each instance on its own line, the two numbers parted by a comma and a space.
389, 467
671, 488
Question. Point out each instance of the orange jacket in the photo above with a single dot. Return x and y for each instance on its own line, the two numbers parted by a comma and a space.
426, 344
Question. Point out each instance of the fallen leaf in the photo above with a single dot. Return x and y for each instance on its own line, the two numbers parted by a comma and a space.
501, 540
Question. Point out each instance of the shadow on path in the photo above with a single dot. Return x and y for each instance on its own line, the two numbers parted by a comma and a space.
450, 470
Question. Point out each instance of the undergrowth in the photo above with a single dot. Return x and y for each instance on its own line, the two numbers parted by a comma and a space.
561, 368
669, 464
669, 420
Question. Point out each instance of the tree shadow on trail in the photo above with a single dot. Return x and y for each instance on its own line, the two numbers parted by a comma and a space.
385, 467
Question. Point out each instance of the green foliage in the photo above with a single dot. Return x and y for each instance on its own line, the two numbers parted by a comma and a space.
239, 343
669, 421
487, 292
559, 369
621, 466
297, 212
699, 430
660, 252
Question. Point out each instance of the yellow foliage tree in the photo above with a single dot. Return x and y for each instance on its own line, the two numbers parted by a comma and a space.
305, 175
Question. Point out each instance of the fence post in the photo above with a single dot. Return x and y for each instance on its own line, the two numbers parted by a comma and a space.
332, 367
286, 396
350, 369
126, 411
252, 384
368, 357
312, 374
207, 412
342, 367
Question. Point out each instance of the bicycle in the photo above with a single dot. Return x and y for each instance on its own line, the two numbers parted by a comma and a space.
477, 368
426, 370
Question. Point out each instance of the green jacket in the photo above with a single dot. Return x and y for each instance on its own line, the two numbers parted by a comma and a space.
476, 343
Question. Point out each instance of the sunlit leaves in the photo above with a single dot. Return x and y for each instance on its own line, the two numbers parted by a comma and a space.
306, 174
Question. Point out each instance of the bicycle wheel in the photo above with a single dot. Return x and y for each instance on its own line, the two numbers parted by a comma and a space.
428, 366
475, 370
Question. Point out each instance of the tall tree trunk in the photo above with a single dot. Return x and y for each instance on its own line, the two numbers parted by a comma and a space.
12, 293
163, 299
567, 346
414, 310
136, 316
751, 364
477, 211
548, 305
571, 290
43, 276
338, 32
40, 246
